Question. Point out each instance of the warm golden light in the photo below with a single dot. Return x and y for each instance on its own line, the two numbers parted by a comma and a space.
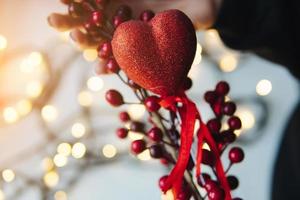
64, 149
95, 83
78, 130
263, 87
85, 98
60, 160
47, 164
34, 89
247, 117
136, 111
109, 151
78, 150
10, 115
145, 155
8, 175
3, 42
198, 56
168, 196
135, 135
90, 55
51, 179
23, 107
205, 146
60, 195
49, 113
228, 63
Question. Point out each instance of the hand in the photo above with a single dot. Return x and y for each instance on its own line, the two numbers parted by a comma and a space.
202, 12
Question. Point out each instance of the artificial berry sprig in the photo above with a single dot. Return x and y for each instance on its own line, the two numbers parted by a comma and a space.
163, 138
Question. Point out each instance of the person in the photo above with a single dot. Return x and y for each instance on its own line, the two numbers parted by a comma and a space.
268, 28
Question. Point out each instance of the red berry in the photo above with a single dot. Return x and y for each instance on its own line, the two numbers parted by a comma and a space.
216, 194
138, 146
124, 11
97, 17
187, 84
137, 126
222, 88
228, 136
236, 155
91, 28
233, 182
234, 123
122, 133
118, 20
112, 66
214, 125
164, 161
203, 178
155, 134
147, 15
208, 158
210, 97
133, 85
114, 98
105, 50
162, 182
210, 184
152, 103
228, 108
156, 151
124, 116
184, 195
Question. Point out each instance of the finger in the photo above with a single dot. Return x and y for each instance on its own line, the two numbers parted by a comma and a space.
84, 40
63, 22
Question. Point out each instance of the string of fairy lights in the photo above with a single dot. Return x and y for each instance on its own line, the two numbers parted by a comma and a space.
77, 151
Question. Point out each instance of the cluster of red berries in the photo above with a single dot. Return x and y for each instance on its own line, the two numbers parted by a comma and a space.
222, 109
154, 137
100, 24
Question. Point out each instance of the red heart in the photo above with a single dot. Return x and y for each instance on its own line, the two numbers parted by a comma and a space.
158, 54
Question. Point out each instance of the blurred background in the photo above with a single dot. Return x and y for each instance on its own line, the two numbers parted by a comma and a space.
57, 133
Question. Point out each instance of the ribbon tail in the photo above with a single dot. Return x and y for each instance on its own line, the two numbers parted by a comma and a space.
219, 167
188, 113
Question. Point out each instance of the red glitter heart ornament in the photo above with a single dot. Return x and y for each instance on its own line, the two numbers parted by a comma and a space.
157, 54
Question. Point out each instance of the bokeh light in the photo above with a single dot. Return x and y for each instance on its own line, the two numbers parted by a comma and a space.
228, 63
145, 155
78, 130
95, 83
64, 149
136, 111
78, 150
49, 113
3, 42
90, 55
10, 115
51, 179
60, 195
263, 87
109, 151
85, 98
8, 175
60, 160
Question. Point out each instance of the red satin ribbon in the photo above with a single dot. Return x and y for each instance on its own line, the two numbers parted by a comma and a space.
189, 114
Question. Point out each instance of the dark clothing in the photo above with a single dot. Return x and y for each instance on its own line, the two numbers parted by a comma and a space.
270, 29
